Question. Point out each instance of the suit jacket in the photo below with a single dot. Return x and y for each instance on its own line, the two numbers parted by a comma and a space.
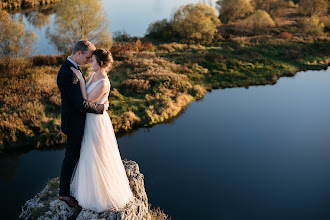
74, 107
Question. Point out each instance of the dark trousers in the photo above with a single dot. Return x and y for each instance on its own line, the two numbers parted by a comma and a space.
72, 154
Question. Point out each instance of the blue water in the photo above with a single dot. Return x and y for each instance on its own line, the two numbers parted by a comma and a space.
256, 153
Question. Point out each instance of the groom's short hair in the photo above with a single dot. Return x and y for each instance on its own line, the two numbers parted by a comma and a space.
83, 46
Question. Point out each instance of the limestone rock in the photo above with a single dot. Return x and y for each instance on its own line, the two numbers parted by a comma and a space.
46, 205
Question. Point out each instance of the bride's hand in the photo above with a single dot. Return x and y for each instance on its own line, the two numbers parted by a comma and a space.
77, 73
106, 105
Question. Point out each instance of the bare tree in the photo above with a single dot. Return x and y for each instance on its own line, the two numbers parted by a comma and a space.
80, 19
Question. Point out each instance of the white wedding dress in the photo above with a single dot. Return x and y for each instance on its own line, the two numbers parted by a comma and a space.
99, 181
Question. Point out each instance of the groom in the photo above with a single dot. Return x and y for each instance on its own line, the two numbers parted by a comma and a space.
74, 109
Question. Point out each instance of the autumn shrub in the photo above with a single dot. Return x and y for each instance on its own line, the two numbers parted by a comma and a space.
160, 30
326, 21
121, 36
233, 10
136, 85
125, 122
196, 23
133, 45
170, 47
158, 214
161, 76
275, 8
286, 35
165, 106
312, 26
259, 22
313, 7
41, 60
10, 66
291, 4
197, 91
30, 106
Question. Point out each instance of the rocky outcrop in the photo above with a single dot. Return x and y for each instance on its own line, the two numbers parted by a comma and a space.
46, 205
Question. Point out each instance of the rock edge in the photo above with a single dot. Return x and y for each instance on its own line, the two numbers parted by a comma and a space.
46, 205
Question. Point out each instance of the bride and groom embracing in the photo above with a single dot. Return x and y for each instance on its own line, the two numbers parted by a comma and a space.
92, 171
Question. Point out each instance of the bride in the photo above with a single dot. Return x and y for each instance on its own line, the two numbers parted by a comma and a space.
99, 181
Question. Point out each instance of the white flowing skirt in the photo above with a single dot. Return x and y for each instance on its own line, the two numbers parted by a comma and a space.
99, 181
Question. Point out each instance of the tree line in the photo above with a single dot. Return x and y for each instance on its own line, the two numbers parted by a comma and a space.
192, 23
200, 24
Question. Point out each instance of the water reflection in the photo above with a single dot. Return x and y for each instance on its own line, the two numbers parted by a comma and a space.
38, 18
79, 19
8, 168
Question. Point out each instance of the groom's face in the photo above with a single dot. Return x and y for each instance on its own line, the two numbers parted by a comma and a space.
84, 57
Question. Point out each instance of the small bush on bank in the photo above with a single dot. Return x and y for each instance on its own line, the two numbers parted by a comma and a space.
291, 4
161, 30
135, 44
121, 36
172, 47
196, 23
158, 214
286, 35
136, 85
313, 26
275, 8
259, 22
10, 66
326, 21
197, 91
46, 60
313, 7
232, 10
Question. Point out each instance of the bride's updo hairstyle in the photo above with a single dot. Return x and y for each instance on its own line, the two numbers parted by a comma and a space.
104, 58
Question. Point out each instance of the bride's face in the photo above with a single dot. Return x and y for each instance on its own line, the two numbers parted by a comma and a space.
94, 65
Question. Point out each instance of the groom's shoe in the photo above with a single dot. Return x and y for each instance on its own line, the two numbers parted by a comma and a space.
69, 200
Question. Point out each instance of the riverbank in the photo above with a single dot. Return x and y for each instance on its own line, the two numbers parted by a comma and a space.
150, 84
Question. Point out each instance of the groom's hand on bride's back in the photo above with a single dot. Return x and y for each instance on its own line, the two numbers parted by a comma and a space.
106, 105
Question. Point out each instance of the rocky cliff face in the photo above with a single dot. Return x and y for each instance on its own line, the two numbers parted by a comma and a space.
46, 205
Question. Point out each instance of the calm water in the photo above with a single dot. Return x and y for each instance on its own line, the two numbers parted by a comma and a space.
130, 16
257, 153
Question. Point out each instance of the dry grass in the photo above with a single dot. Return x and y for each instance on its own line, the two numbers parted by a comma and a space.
26, 100
133, 45
158, 214
154, 89
125, 121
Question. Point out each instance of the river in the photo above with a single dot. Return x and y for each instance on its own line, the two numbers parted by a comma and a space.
256, 153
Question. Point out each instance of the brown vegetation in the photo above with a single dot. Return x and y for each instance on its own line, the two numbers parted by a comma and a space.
16, 4
29, 107
158, 214
313, 7
257, 23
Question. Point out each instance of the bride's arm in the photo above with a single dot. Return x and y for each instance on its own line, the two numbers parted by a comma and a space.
96, 93
81, 81
100, 89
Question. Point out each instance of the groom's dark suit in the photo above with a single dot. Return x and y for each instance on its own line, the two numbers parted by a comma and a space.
74, 109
